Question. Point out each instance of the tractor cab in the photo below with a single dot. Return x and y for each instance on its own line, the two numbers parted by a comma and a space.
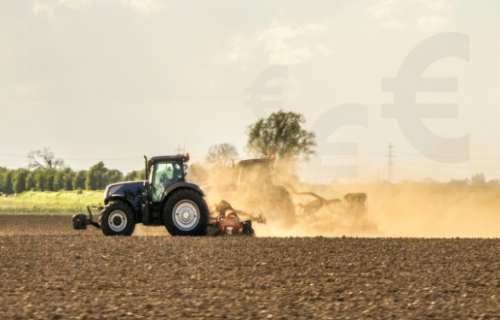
164, 171
255, 171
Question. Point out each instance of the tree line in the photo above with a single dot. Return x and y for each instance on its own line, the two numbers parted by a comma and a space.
96, 177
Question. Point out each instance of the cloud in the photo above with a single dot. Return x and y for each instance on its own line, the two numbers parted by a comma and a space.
431, 23
139, 5
437, 5
146, 5
383, 9
283, 44
403, 14
42, 8
286, 31
278, 42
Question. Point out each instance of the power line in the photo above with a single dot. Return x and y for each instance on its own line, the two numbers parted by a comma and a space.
447, 166
12, 155
85, 159
442, 157
96, 159
430, 174
390, 163
340, 157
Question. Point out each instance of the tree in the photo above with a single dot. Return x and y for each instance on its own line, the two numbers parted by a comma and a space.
281, 134
141, 175
197, 174
7, 182
2, 172
112, 176
458, 182
493, 183
131, 176
49, 179
135, 175
95, 177
19, 180
30, 181
44, 159
79, 180
478, 180
69, 175
59, 183
221, 154
40, 180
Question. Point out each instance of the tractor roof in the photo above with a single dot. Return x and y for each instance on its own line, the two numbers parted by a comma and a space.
177, 157
249, 162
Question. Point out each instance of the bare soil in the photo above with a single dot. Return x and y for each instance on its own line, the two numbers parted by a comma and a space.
49, 271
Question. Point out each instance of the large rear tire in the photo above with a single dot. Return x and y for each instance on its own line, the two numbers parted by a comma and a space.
185, 213
117, 219
281, 212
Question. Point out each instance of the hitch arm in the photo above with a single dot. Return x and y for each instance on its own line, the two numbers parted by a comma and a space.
90, 221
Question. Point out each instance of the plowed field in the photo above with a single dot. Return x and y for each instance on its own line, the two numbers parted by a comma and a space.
49, 271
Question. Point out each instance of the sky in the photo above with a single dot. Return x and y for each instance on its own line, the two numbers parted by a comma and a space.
114, 80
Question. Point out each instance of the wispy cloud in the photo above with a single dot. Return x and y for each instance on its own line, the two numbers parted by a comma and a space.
283, 43
431, 23
383, 9
425, 15
139, 5
42, 8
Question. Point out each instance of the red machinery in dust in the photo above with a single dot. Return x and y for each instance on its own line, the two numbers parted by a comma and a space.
229, 223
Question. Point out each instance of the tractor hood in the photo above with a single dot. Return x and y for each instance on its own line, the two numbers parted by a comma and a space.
124, 189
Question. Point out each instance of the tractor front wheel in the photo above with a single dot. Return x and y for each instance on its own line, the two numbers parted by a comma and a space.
117, 219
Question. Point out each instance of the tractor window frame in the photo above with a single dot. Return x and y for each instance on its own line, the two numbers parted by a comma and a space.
157, 186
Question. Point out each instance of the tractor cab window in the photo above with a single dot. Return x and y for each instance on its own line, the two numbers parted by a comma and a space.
164, 174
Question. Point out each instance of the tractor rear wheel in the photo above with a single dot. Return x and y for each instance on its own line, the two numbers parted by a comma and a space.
185, 213
281, 212
117, 219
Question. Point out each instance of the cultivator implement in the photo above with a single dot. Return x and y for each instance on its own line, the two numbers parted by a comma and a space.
228, 223
351, 202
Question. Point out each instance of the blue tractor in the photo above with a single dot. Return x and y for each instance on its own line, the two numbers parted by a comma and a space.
165, 198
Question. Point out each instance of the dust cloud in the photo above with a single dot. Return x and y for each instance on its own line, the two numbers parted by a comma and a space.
411, 209
426, 210
405, 210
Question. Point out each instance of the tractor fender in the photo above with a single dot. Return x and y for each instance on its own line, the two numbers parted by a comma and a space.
122, 198
181, 185
283, 189
128, 192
